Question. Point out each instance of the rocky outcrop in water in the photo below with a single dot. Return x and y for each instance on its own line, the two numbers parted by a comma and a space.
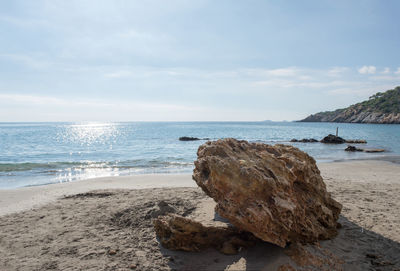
355, 149
275, 192
189, 138
305, 140
380, 108
356, 141
332, 139
352, 149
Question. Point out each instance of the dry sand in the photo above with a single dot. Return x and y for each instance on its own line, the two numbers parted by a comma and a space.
111, 229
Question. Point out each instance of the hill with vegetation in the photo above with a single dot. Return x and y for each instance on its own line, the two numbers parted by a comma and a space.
383, 107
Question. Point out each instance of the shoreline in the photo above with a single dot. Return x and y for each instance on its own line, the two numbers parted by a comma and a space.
24, 198
28, 197
111, 226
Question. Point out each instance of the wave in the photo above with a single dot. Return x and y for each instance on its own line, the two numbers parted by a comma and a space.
56, 166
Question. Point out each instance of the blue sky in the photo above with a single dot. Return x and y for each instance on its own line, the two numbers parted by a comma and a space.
193, 60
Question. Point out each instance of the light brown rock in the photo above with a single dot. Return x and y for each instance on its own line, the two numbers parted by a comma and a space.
275, 192
180, 233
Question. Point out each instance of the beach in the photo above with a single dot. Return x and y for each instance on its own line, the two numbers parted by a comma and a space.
104, 224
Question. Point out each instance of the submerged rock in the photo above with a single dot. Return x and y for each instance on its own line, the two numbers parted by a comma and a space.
180, 233
374, 150
332, 139
304, 140
275, 192
188, 138
352, 149
356, 141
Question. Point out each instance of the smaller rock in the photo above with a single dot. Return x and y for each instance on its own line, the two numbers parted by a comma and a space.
352, 149
112, 252
356, 141
180, 233
332, 139
188, 138
305, 140
373, 150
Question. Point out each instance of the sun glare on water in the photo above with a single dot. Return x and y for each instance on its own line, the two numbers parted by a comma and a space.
87, 134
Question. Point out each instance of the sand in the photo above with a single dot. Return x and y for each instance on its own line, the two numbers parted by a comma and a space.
67, 227
14, 200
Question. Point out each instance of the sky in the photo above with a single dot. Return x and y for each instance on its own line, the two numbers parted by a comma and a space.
197, 60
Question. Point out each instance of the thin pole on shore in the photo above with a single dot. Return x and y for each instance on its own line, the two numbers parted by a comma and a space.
337, 131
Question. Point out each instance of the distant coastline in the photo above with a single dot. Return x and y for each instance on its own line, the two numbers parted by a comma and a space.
381, 108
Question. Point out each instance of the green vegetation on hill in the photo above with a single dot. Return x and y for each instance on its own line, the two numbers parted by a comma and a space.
382, 107
386, 102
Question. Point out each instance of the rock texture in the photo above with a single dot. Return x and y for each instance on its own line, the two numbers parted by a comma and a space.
180, 233
380, 108
275, 192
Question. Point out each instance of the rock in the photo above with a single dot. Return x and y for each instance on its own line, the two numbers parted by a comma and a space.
305, 140
112, 252
332, 139
275, 192
356, 141
188, 138
180, 233
352, 149
373, 150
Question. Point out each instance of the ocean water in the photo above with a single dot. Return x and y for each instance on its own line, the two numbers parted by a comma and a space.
43, 153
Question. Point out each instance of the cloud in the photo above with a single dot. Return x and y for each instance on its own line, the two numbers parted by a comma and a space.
398, 71
367, 70
386, 70
337, 71
283, 72
360, 90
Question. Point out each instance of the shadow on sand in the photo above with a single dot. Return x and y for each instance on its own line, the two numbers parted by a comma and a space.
357, 248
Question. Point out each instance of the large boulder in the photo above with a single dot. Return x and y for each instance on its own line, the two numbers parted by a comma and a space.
275, 192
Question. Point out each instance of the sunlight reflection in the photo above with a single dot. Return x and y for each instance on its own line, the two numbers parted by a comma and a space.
90, 133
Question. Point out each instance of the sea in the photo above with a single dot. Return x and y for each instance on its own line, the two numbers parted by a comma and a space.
34, 154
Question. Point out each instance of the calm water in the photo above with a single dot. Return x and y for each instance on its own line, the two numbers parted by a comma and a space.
42, 153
